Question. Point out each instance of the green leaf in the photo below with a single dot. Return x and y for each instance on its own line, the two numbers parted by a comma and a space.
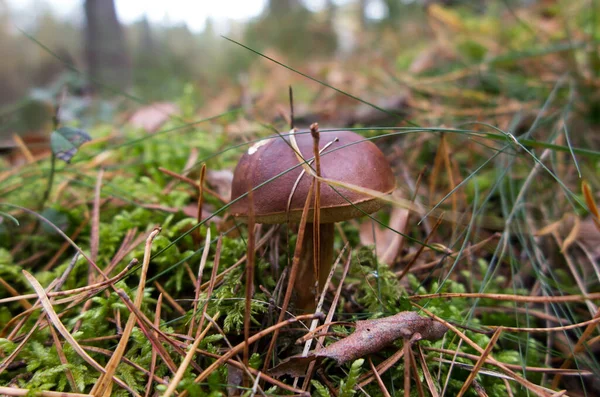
321, 390
347, 387
65, 141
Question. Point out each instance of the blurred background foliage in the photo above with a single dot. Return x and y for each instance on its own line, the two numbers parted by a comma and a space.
348, 43
155, 61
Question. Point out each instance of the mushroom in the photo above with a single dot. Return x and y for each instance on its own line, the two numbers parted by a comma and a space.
345, 157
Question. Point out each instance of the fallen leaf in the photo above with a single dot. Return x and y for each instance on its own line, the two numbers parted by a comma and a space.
153, 116
220, 181
431, 57
387, 241
369, 337
65, 142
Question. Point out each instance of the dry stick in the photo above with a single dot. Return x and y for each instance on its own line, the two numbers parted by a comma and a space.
255, 372
236, 349
508, 297
538, 390
382, 387
406, 348
522, 310
143, 323
413, 364
23, 148
579, 346
32, 258
63, 235
63, 360
65, 245
190, 274
480, 362
311, 366
381, 368
95, 230
453, 255
94, 242
313, 324
314, 131
4, 364
186, 361
153, 358
293, 273
212, 281
244, 368
79, 290
426, 373
249, 280
53, 318
63, 278
170, 299
15, 295
255, 385
589, 323
104, 385
15, 391
413, 200
125, 360
593, 341
449, 171
203, 260
591, 202
190, 162
581, 284
130, 242
200, 198
264, 239
516, 367
507, 386
21, 345
143, 319
193, 183
437, 165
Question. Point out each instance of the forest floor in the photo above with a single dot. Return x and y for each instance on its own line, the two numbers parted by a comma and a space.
123, 271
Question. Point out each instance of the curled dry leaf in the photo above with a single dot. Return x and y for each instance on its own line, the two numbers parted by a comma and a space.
572, 229
369, 337
387, 241
220, 181
152, 117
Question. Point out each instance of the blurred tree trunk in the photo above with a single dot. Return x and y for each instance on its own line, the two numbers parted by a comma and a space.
394, 10
330, 10
147, 45
106, 52
362, 17
282, 7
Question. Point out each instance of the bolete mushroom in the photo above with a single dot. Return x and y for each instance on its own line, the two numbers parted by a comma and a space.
347, 158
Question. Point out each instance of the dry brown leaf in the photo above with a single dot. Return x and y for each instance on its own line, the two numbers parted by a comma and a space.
589, 235
387, 241
153, 116
220, 181
369, 337
573, 229
431, 57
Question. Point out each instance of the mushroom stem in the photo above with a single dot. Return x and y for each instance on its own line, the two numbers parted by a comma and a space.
306, 278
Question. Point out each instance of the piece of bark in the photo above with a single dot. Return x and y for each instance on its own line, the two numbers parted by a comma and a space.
369, 337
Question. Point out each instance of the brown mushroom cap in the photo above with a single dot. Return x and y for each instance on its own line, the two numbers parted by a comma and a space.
358, 162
